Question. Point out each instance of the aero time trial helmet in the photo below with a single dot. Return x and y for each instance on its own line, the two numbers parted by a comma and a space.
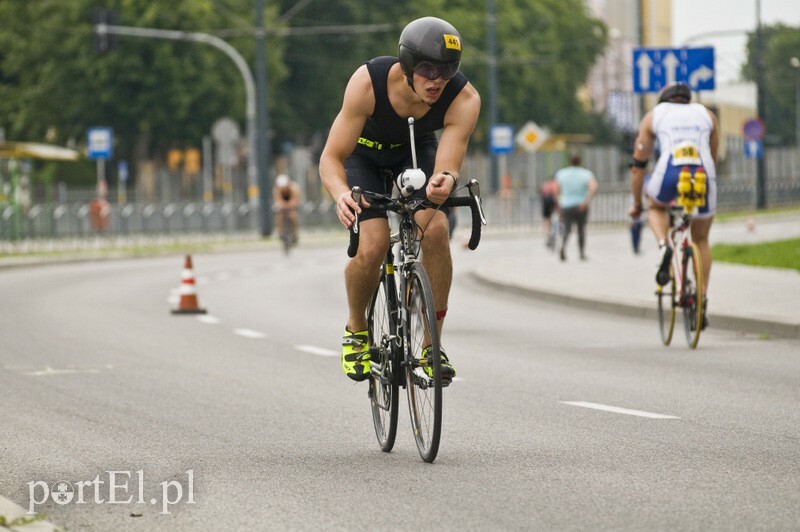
676, 93
431, 47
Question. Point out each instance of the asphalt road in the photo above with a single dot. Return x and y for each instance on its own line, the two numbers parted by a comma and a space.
561, 418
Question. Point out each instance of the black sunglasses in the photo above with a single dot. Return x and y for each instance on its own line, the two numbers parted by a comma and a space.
434, 70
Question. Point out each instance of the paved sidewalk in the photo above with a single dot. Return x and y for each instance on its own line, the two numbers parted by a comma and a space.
764, 301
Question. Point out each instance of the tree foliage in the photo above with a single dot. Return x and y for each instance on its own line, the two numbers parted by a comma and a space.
158, 94
781, 80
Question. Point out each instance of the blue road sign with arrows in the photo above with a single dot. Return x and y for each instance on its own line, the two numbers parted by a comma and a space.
655, 68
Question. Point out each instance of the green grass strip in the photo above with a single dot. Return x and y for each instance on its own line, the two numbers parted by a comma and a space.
778, 254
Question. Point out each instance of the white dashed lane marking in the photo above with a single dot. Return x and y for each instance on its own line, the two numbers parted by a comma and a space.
249, 333
618, 410
314, 350
213, 320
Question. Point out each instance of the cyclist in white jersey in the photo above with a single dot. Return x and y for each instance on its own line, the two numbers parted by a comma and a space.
688, 135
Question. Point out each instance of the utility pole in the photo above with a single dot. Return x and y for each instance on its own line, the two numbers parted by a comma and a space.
491, 25
262, 121
761, 178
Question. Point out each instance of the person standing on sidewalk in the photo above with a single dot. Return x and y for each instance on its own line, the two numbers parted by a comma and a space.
576, 188
688, 135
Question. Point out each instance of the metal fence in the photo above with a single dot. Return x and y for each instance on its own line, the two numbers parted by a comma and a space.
519, 210
173, 211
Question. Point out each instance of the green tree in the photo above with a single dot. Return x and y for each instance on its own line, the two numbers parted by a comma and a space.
154, 93
545, 50
781, 79
159, 94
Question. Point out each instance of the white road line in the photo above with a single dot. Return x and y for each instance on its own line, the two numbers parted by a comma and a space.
48, 370
618, 410
213, 320
12, 511
249, 333
314, 350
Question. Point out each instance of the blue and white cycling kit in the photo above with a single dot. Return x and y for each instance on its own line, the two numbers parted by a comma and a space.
683, 132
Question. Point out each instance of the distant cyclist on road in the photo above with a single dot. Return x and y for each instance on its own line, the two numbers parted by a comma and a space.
688, 135
370, 136
286, 198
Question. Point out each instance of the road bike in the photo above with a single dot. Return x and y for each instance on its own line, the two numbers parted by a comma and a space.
684, 287
286, 229
405, 350
553, 238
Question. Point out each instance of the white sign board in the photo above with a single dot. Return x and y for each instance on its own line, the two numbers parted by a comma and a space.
99, 143
501, 138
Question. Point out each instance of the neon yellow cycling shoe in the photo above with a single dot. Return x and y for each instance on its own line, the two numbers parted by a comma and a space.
448, 371
355, 354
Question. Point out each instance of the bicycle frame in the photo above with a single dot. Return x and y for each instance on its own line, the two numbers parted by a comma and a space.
396, 285
679, 240
686, 278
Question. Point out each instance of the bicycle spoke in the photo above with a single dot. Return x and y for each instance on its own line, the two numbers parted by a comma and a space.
692, 295
666, 308
424, 390
382, 389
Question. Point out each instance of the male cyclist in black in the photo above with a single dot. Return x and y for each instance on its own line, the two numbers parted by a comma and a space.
370, 135
688, 135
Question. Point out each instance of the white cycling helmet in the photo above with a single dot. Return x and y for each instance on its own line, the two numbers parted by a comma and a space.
282, 181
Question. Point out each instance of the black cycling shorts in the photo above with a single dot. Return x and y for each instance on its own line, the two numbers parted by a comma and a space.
375, 170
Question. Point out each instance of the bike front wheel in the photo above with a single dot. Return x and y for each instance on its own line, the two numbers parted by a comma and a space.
423, 371
666, 308
383, 389
692, 294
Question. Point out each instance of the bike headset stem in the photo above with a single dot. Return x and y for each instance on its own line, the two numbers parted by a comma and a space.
414, 167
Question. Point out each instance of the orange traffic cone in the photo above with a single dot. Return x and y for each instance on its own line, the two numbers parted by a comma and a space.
188, 303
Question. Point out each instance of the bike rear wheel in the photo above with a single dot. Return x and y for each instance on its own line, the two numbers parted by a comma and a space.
692, 294
666, 308
286, 233
383, 389
424, 391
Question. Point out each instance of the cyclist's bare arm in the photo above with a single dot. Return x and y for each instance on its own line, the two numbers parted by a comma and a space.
642, 151
459, 123
358, 105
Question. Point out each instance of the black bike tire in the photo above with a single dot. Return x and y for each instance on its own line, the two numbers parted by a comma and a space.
426, 425
666, 308
286, 232
692, 312
384, 421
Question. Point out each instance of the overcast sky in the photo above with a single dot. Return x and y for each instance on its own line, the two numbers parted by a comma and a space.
694, 17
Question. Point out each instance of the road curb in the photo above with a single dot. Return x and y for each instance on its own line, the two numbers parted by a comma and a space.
746, 325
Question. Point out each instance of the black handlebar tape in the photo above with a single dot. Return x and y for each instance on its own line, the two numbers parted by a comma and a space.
352, 249
461, 201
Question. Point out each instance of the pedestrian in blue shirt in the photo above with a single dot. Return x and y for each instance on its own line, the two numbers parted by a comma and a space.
576, 188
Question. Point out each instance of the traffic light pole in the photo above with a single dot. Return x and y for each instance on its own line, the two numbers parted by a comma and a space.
761, 179
244, 69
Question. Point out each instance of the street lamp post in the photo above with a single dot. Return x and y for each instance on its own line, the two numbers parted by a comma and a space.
244, 69
795, 62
